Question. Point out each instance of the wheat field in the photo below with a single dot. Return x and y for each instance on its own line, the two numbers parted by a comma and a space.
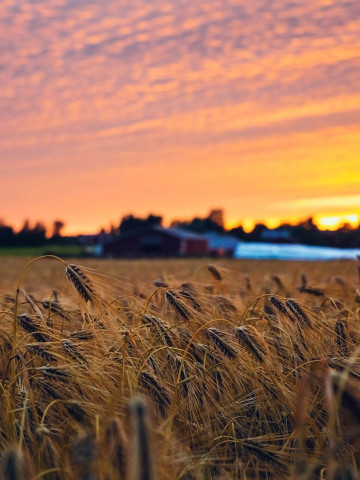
179, 369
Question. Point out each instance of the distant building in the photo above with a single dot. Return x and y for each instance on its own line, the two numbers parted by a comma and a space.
156, 242
221, 245
94, 243
217, 216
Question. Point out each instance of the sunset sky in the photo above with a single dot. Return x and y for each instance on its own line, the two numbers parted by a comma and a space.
175, 107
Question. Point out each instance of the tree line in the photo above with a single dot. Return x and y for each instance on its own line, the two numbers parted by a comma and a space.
305, 232
28, 234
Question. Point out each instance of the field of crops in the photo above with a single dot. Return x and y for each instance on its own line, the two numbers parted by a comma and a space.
179, 369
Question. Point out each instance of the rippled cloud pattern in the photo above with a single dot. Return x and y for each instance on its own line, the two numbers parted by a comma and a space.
155, 88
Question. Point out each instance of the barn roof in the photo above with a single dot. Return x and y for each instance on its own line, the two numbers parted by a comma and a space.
183, 234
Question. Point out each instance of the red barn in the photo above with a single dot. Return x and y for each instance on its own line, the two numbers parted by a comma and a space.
157, 242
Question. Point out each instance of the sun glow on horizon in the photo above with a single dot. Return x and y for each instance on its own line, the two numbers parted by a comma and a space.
323, 222
336, 221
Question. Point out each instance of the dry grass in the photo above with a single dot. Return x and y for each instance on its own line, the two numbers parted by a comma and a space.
179, 370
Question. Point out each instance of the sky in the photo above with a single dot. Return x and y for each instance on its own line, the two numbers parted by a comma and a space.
112, 107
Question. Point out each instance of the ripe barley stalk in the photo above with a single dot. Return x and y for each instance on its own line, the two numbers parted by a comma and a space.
42, 351
161, 326
55, 307
252, 340
217, 337
177, 304
142, 466
13, 465
150, 384
299, 313
316, 292
341, 338
278, 304
84, 453
214, 272
82, 334
190, 296
81, 282
116, 447
72, 350
33, 327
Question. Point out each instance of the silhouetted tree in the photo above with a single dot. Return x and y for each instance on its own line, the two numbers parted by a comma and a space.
114, 230
38, 234
58, 226
129, 223
239, 233
306, 232
200, 225
153, 220
7, 235
255, 234
23, 236
31, 236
